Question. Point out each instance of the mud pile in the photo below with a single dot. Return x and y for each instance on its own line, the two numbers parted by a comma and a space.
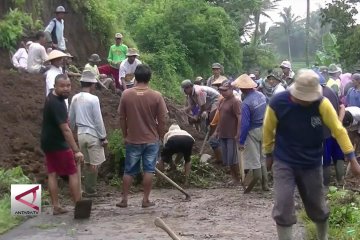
22, 98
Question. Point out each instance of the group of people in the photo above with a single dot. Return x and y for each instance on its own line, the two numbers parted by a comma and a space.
294, 125
50, 45
291, 124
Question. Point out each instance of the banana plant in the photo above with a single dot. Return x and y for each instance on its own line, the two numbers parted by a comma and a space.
330, 50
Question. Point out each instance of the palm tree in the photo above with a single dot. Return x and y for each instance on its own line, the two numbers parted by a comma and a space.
260, 10
288, 23
263, 33
307, 32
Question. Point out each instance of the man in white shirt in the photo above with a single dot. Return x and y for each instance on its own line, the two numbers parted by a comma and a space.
55, 29
56, 59
351, 119
85, 115
19, 59
37, 54
127, 68
351, 122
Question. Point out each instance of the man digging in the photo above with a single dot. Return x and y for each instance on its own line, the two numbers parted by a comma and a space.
252, 116
58, 143
295, 151
179, 142
102, 79
142, 119
228, 129
85, 116
207, 99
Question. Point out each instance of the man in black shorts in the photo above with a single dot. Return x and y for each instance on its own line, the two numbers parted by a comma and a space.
180, 142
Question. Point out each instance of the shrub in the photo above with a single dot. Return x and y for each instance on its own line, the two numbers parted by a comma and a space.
117, 149
14, 26
344, 220
8, 177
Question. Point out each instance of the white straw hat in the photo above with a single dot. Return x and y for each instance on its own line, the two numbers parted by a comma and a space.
306, 86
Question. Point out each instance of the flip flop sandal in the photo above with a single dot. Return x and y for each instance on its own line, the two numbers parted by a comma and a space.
122, 204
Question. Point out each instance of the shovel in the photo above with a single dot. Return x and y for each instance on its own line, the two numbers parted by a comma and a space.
82, 207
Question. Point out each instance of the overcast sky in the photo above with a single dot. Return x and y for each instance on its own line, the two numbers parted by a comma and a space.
298, 7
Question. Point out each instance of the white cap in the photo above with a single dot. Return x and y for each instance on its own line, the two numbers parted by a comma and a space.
285, 64
60, 9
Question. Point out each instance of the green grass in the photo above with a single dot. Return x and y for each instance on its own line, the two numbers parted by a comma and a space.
344, 221
8, 177
7, 221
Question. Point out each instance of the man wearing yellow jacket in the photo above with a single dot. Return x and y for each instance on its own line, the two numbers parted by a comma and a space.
292, 141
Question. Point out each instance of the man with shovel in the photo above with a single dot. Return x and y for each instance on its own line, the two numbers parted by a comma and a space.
58, 143
102, 79
85, 116
295, 151
252, 116
179, 142
207, 99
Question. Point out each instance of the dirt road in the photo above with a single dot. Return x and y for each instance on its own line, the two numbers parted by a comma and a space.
212, 214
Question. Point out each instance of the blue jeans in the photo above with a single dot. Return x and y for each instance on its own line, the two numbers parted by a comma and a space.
148, 153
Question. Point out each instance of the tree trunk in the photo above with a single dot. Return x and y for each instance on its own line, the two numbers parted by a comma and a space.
257, 22
307, 34
289, 46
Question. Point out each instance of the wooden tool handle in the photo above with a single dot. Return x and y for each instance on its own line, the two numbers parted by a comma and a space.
161, 224
173, 183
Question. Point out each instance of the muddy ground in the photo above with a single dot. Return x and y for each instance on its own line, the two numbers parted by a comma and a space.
212, 214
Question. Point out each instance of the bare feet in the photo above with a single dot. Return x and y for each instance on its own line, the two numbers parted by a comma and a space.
147, 204
59, 210
122, 204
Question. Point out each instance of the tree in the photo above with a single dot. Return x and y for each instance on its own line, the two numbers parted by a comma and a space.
288, 24
340, 14
307, 32
260, 9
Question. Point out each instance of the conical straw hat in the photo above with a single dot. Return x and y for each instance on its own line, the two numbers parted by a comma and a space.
56, 54
244, 82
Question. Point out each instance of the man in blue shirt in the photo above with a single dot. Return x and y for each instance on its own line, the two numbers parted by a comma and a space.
252, 115
331, 149
353, 95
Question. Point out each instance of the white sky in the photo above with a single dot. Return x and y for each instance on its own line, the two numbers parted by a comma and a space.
298, 8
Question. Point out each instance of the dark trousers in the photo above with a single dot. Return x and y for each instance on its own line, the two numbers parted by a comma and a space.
310, 185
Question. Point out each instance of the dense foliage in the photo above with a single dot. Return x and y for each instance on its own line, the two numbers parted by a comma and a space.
341, 15
178, 39
14, 26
